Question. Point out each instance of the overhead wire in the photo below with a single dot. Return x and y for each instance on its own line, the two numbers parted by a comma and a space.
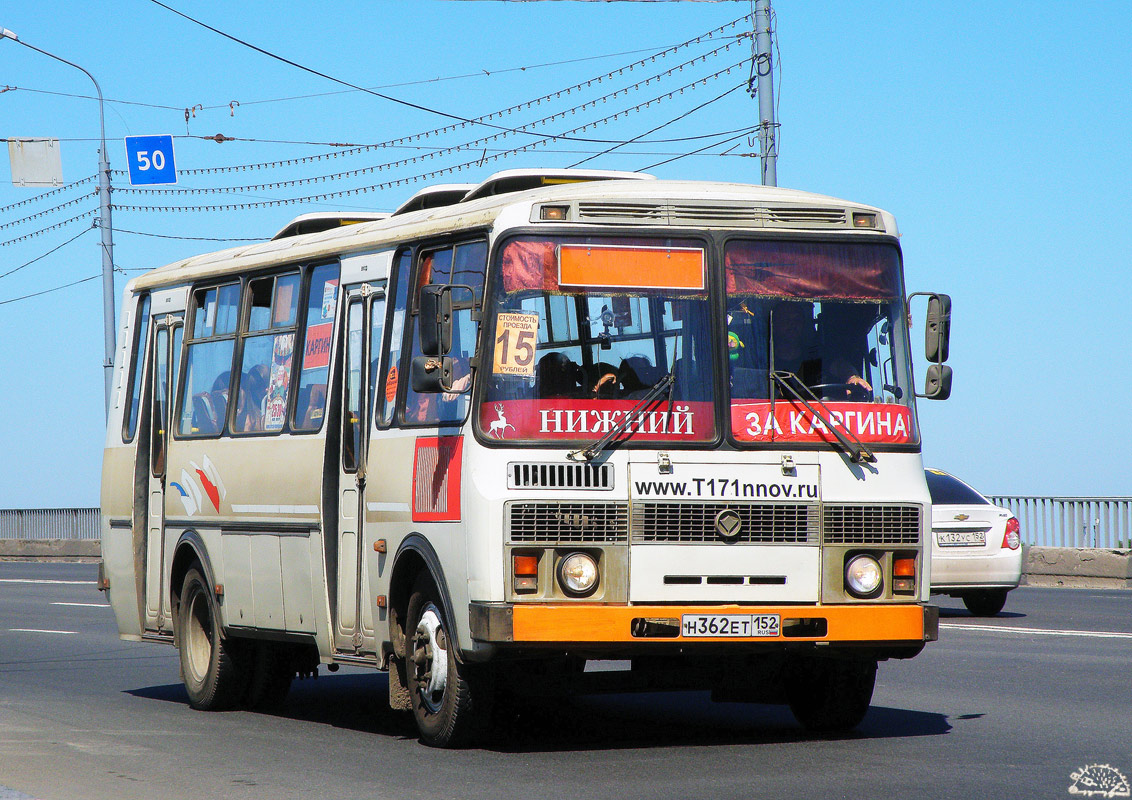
425, 176
49, 252
45, 212
403, 140
657, 128
44, 195
442, 151
313, 95
326, 76
48, 291
701, 150
49, 228
187, 238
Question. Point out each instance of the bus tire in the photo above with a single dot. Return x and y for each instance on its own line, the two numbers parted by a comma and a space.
212, 667
829, 695
985, 602
439, 686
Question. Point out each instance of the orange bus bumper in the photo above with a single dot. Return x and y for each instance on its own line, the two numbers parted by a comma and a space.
580, 623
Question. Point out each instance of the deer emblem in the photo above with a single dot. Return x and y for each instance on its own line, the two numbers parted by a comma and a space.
500, 425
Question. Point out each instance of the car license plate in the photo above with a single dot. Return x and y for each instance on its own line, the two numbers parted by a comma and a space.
961, 538
730, 625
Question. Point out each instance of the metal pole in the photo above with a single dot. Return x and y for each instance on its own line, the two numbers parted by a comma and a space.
764, 64
104, 221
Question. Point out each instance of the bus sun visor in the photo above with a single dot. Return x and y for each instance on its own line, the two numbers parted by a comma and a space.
813, 270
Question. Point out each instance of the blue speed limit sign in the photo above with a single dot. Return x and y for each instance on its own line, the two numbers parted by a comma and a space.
150, 159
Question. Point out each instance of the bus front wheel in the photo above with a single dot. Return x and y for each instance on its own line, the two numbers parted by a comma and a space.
215, 675
438, 684
830, 695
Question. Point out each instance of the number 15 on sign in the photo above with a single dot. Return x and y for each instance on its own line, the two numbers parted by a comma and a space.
515, 344
150, 159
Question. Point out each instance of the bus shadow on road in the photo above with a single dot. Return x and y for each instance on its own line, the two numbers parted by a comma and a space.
681, 719
357, 702
962, 613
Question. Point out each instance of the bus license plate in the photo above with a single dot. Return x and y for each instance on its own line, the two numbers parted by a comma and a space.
730, 625
961, 538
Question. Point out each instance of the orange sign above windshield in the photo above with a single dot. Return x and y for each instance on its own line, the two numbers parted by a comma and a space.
631, 267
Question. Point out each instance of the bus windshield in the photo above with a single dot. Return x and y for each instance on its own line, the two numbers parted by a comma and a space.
584, 327
825, 321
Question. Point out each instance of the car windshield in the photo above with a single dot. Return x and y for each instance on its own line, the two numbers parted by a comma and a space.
584, 328
824, 321
949, 491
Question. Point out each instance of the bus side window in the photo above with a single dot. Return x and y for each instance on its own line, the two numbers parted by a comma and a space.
322, 305
463, 264
265, 370
141, 329
207, 381
391, 369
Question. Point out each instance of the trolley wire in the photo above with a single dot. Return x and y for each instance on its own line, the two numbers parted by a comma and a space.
49, 252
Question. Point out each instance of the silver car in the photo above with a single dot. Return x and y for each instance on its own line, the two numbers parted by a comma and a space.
976, 546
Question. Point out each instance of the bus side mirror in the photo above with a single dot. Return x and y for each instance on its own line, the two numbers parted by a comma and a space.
435, 320
937, 332
937, 335
937, 384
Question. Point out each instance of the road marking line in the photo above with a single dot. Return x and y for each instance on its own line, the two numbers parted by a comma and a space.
83, 605
1036, 631
37, 580
37, 630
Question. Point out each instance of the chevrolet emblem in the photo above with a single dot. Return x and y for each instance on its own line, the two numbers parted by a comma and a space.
962, 517
728, 524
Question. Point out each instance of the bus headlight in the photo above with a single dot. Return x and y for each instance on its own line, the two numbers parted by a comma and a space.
577, 574
863, 576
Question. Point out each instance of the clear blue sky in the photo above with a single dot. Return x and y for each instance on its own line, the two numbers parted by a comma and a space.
997, 133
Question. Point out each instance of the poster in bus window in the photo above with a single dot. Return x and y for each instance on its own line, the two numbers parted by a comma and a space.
317, 350
276, 402
329, 296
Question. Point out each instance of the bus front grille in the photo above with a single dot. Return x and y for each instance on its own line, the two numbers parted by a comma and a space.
527, 475
696, 523
871, 524
566, 523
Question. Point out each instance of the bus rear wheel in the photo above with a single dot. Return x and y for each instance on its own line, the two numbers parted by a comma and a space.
212, 667
439, 687
830, 695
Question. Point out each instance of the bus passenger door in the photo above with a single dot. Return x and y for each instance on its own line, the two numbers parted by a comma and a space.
166, 343
365, 314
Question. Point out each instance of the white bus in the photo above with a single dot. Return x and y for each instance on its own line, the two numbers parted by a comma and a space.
513, 427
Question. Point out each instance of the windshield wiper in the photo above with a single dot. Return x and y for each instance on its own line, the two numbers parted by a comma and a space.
789, 382
590, 452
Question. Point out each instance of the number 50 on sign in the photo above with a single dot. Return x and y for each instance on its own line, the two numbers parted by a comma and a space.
150, 159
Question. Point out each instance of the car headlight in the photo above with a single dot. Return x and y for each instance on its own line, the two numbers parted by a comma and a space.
863, 576
577, 574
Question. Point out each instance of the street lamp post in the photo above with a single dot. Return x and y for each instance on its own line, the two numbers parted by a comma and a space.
104, 222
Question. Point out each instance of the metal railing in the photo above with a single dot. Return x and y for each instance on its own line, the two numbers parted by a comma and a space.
1098, 522
49, 523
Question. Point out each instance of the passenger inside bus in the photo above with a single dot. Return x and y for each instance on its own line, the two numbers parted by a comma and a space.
253, 393
823, 346
557, 376
637, 375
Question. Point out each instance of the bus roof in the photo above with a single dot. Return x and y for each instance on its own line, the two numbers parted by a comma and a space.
611, 200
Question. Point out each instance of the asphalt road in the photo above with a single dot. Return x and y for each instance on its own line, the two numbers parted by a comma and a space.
1008, 707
